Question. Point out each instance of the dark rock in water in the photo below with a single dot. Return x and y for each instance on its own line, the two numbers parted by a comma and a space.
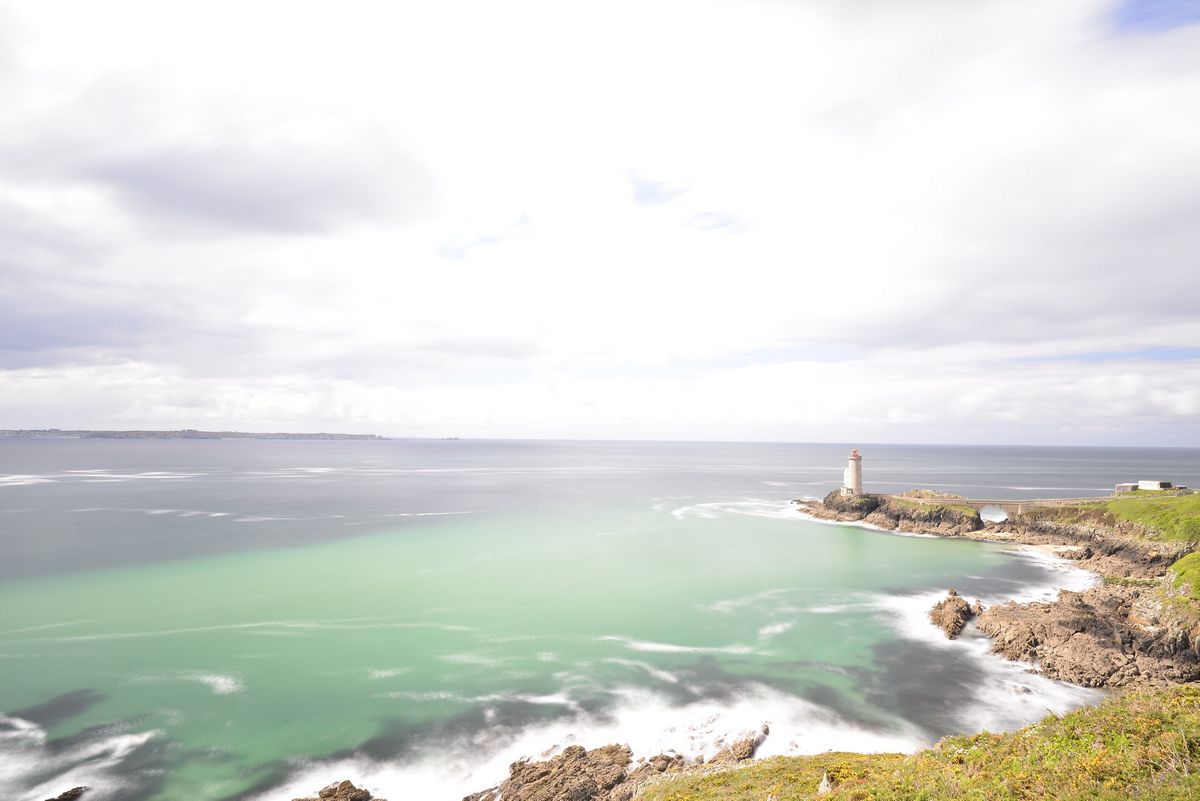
70, 795
345, 791
601, 774
952, 614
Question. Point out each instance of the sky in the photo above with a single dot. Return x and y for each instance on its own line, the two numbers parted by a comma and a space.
818, 220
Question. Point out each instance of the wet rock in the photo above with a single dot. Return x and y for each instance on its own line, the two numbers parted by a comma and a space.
345, 791
953, 614
1096, 638
70, 795
578, 775
742, 749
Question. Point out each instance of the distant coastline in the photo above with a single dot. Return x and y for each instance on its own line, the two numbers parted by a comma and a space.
185, 433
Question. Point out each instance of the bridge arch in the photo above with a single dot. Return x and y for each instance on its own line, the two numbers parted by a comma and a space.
993, 513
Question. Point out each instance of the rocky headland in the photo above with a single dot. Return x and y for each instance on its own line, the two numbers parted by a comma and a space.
1136, 628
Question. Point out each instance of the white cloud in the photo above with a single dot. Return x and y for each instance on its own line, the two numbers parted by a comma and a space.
870, 220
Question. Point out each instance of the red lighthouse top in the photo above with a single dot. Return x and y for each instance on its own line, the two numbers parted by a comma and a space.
854, 453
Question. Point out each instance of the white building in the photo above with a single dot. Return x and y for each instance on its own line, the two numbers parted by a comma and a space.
852, 478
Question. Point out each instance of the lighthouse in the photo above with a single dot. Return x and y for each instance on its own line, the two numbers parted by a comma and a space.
852, 482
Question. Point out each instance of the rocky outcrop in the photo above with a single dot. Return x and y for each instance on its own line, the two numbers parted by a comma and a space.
1108, 636
601, 774
1119, 549
1112, 550
953, 614
345, 791
741, 750
895, 514
70, 795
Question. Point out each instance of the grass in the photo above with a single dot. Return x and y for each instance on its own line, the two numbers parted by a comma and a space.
969, 511
1187, 575
1140, 745
1173, 518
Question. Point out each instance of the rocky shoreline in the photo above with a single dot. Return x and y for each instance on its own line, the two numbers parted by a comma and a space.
1127, 631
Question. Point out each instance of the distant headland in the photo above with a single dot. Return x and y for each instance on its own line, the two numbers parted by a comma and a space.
183, 433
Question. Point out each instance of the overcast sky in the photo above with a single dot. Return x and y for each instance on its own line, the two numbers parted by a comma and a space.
833, 220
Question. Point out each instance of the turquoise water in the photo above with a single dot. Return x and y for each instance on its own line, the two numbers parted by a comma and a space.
254, 621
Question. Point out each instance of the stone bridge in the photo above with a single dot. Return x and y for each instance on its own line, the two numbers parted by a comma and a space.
1009, 506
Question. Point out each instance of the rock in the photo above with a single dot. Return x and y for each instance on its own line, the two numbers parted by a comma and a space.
579, 775
345, 791
952, 614
743, 749
1094, 638
824, 787
894, 514
70, 795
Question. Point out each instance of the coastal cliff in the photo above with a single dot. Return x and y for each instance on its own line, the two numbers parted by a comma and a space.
1136, 628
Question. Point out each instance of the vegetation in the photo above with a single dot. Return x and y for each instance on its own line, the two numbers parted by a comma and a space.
1171, 517
1187, 575
1140, 745
1174, 517
962, 509
1124, 581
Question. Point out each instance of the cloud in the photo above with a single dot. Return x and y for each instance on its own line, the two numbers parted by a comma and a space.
702, 220
277, 186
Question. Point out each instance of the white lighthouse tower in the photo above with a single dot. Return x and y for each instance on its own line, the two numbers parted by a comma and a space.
852, 480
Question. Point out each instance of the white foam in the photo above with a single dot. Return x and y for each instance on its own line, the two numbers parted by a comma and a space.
220, 684
658, 673
751, 507
472, 659
757, 600
671, 648
15, 480
774, 629
647, 721
26, 762
387, 673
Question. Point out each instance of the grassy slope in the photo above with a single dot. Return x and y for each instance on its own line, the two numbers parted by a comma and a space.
966, 511
1140, 745
1187, 574
1173, 518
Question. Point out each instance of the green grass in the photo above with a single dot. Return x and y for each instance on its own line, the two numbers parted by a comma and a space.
1187, 574
969, 511
1140, 745
1175, 517
1172, 517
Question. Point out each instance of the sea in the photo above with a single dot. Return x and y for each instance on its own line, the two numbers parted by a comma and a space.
240, 619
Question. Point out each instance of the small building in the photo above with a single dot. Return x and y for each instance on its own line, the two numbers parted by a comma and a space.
1129, 486
1154, 485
